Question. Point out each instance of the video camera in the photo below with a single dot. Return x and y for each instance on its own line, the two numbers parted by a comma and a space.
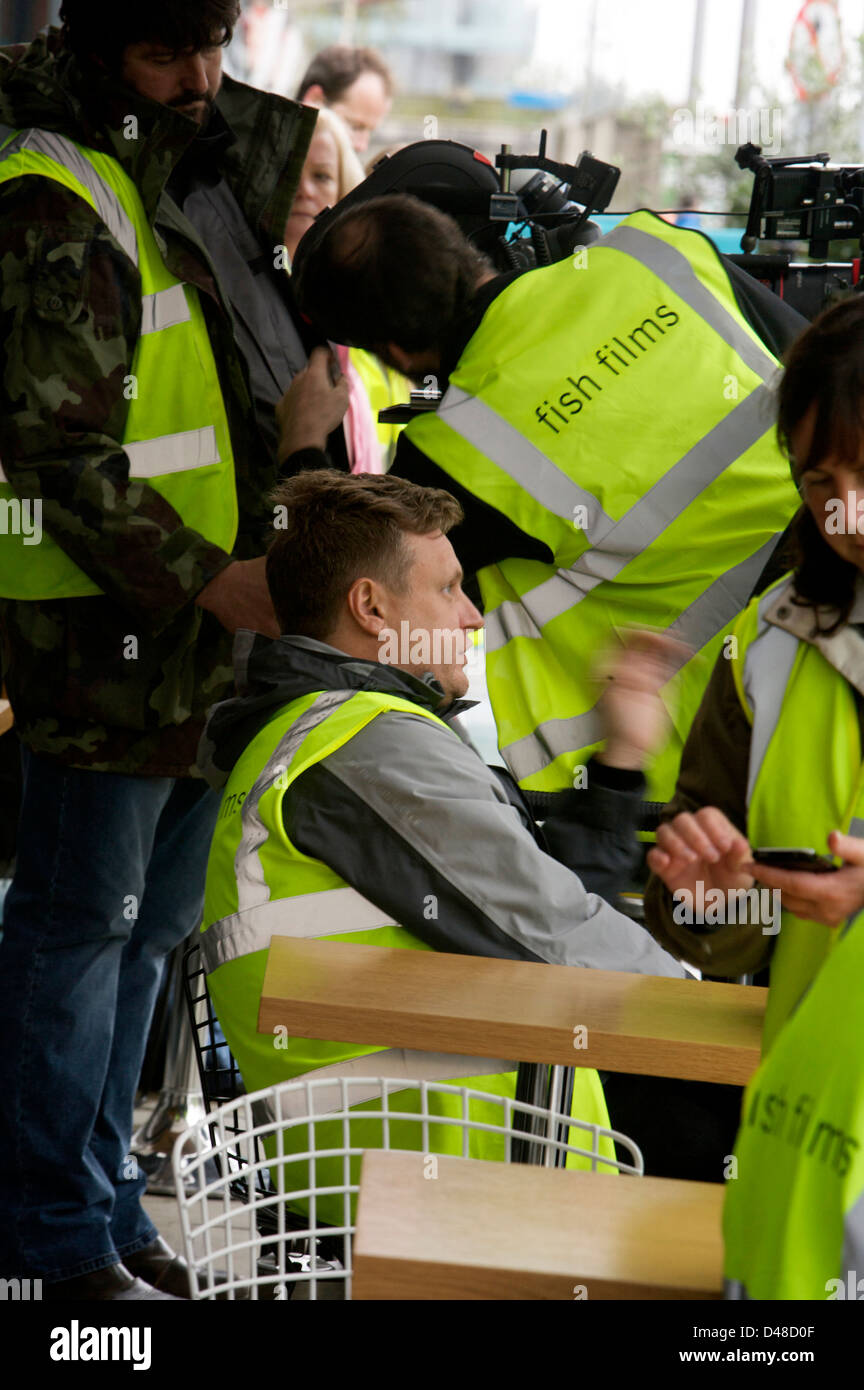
802, 199
537, 222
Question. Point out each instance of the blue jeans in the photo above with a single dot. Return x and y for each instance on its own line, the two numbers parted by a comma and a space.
109, 879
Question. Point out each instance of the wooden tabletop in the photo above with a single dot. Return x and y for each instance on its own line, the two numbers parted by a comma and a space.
477, 1006
506, 1231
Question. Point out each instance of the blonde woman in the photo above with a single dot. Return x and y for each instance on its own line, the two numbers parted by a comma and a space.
331, 171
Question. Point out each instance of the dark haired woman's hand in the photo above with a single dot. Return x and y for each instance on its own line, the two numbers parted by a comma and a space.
827, 898
698, 852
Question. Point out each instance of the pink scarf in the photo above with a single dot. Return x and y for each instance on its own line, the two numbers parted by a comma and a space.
361, 436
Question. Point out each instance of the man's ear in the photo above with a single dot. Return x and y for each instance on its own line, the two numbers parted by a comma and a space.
365, 607
314, 95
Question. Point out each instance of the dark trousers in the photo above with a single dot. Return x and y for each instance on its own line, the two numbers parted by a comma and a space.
109, 879
685, 1129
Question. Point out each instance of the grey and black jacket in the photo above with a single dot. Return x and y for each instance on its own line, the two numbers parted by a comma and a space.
404, 811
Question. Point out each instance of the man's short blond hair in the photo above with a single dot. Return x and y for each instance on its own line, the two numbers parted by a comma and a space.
331, 529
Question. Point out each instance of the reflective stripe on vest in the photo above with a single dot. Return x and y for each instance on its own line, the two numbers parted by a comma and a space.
332, 911
164, 309
726, 484
176, 434
480, 425
170, 453
696, 626
767, 668
670, 265
853, 1236
252, 887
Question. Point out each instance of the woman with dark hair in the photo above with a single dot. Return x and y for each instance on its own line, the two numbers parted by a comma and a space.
774, 757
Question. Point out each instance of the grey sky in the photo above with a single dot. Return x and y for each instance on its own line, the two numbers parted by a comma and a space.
646, 44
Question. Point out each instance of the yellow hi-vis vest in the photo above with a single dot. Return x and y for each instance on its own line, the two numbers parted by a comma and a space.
176, 436
385, 387
805, 776
613, 406
260, 885
793, 1218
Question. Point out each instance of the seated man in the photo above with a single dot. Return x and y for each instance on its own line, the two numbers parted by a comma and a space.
355, 812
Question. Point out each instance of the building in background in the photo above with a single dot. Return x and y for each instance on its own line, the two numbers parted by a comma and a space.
463, 72
454, 62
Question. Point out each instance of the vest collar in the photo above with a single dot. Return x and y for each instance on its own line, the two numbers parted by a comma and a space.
270, 674
843, 649
354, 672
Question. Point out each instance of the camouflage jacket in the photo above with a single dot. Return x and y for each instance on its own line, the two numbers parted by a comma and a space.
70, 311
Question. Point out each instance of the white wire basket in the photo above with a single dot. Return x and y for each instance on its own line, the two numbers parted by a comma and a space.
267, 1184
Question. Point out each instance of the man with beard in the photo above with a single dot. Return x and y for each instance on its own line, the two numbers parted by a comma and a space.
148, 335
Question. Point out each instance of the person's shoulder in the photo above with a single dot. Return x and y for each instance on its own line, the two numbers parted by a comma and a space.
43, 198
414, 723
772, 318
400, 742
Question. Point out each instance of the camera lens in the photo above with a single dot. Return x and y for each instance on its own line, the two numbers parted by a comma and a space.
545, 193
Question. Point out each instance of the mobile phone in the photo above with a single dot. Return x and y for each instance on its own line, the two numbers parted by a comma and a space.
795, 858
